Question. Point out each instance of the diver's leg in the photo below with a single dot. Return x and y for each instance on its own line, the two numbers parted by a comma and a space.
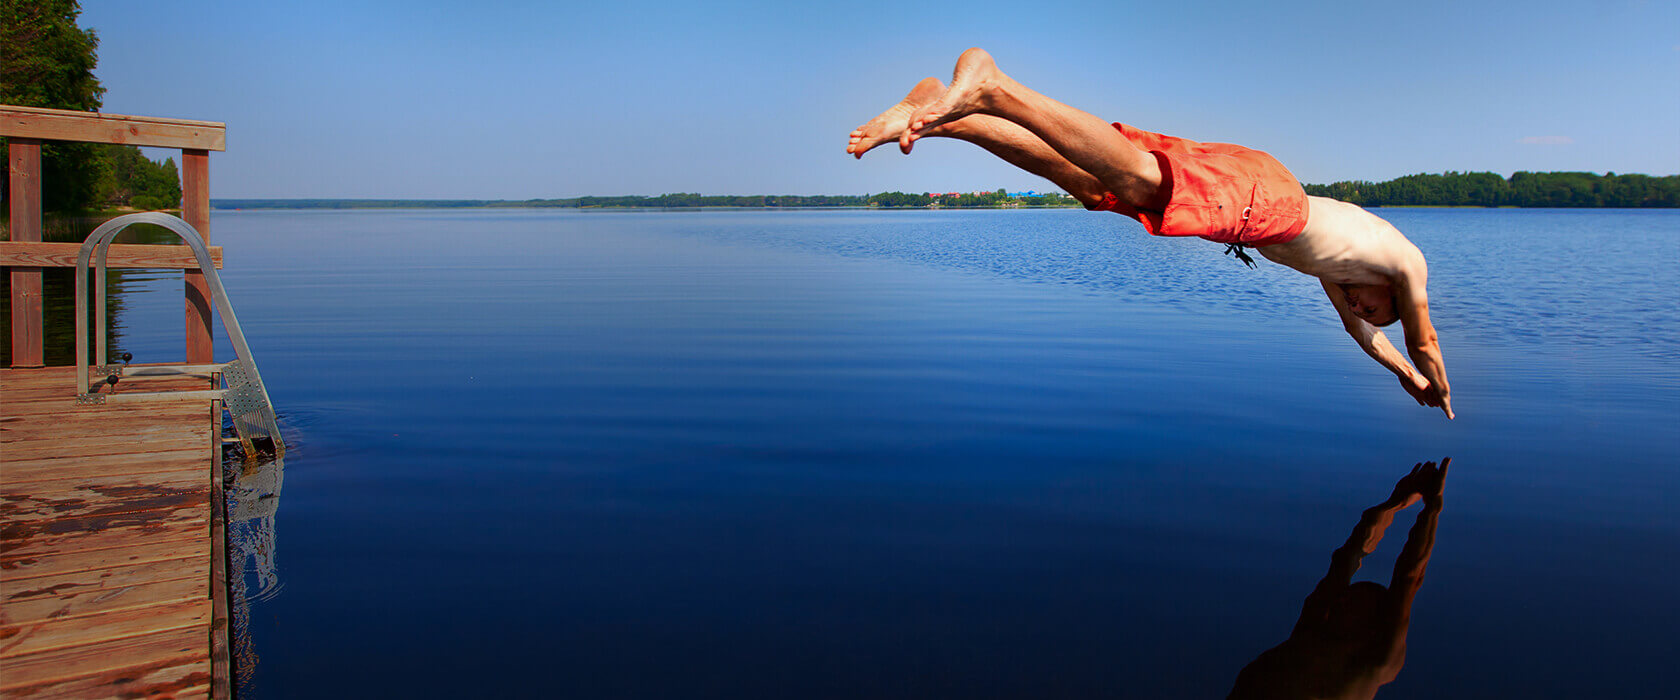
1004, 139
1083, 139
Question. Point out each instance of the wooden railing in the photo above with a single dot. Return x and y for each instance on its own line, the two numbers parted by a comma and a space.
25, 128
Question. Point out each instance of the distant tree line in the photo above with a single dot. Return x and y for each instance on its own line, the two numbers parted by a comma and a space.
353, 203
885, 199
680, 200
692, 199
47, 61
1522, 189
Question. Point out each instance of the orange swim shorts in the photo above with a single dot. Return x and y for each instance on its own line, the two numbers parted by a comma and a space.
1219, 191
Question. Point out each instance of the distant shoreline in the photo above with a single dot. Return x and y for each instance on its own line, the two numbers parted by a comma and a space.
1526, 190
356, 204
349, 204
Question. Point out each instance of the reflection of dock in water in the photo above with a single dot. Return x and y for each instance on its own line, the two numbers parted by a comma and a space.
253, 500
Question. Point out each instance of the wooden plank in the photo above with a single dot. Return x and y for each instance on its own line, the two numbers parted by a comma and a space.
64, 378
93, 446
26, 413
62, 387
58, 468
47, 401
174, 648
195, 210
24, 540
65, 505
147, 440
93, 127
47, 404
144, 593
66, 394
44, 405
221, 658
156, 437
47, 635
60, 504
106, 487
31, 445
181, 679
34, 374
19, 551
122, 255
65, 389
99, 589
159, 549
23, 161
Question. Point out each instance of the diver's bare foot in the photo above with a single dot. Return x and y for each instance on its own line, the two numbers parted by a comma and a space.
889, 125
973, 80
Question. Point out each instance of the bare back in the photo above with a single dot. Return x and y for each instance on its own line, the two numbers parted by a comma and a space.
1344, 244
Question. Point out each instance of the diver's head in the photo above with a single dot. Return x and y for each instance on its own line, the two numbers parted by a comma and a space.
1375, 303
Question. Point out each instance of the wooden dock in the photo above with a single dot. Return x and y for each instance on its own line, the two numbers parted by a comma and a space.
113, 576
108, 563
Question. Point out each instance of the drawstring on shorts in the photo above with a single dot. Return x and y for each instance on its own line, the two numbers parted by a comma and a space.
1238, 249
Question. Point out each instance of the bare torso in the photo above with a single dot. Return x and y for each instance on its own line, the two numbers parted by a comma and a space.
1347, 247
1344, 244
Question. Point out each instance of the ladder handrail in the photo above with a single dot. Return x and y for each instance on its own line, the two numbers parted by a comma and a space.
101, 239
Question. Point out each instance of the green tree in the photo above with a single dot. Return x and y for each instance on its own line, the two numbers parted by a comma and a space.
47, 61
1523, 189
140, 182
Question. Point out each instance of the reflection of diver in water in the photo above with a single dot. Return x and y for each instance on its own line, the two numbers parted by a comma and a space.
1351, 638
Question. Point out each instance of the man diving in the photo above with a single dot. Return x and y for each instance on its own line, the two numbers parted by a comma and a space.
1177, 187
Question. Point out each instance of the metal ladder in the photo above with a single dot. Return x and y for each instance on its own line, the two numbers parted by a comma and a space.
244, 396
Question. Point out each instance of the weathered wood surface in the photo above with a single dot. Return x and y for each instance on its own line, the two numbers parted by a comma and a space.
121, 255
221, 656
105, 540
94, 127
195, 210
23, 190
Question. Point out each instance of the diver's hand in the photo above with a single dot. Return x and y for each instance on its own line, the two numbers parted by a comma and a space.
1432, 482
1406, 489
1438, 397
1416, 385
1427, 394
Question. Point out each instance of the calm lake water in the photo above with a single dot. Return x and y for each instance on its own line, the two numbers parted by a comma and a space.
937, 453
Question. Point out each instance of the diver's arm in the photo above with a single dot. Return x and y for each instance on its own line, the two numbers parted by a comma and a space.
1412, 305
1420, 542
1375, 344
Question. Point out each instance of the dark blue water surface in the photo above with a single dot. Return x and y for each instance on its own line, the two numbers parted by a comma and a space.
933, 453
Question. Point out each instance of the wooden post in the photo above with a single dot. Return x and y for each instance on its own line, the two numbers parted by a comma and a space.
24, 160
195, 209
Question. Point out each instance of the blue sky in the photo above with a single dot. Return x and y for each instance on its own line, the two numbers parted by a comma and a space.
513, 100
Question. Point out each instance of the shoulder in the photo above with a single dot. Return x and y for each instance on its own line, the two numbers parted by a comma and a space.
1387, 248
1331, 219
1407, 260
1344, 243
